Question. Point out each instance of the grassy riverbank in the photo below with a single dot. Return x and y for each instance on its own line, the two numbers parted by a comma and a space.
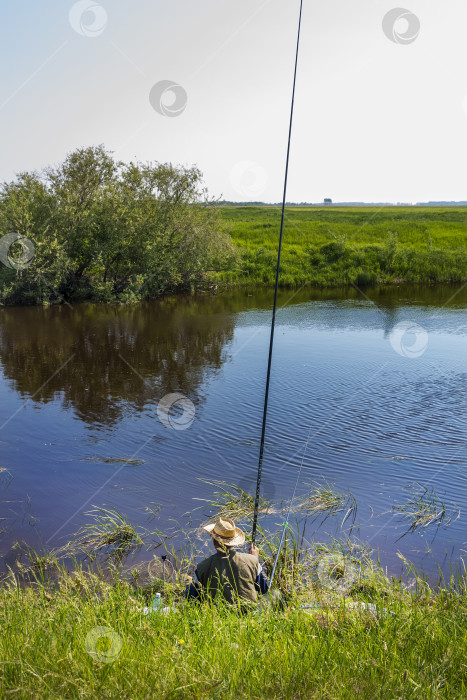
53, 645
104, 249
338, 246
344, 628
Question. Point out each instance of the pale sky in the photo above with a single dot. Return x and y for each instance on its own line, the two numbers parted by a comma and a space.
375, 120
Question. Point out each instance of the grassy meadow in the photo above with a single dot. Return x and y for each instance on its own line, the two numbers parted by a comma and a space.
338, 246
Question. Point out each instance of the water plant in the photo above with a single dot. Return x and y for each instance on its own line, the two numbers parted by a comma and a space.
422, 509
323, 499
110, 530
231, 501
345, 629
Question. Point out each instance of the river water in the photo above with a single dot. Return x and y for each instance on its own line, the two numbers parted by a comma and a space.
368, 392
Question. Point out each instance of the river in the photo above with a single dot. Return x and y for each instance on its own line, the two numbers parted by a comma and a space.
368, 392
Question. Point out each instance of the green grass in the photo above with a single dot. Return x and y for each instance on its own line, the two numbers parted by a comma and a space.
344, 630
410, 644
339, 246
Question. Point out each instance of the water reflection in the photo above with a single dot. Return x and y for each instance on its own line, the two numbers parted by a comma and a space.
105, 361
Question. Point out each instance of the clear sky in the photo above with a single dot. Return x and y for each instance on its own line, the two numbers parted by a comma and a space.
376, 119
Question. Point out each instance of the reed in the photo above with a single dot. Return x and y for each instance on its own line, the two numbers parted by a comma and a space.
423, 509
110, 531
323, 499
231, 501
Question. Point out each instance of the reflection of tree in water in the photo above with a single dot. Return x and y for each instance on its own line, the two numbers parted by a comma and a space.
170, 345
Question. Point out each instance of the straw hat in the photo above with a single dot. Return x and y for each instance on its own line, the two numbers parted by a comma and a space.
225, 531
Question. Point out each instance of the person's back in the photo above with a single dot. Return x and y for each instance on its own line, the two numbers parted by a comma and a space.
237, 576
232, 573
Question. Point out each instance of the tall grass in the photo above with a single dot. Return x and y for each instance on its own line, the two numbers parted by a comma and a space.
89, 639
109, 531
231, 501
345, 628
341, 246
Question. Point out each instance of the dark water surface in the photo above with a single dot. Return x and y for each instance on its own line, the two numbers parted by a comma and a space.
366, 408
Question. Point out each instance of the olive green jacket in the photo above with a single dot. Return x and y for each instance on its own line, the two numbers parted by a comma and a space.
232, 573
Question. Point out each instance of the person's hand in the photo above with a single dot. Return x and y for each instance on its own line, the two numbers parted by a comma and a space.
254, 550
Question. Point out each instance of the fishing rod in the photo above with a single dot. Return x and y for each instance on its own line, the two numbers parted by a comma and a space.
274, 309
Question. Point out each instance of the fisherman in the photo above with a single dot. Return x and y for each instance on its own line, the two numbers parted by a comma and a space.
236, 575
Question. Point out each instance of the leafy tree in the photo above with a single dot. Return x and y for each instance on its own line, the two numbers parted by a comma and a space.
108, 230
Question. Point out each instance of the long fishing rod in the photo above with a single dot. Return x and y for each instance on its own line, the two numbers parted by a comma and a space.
273, 322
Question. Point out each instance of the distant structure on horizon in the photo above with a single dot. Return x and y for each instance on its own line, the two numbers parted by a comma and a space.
442, 203
327, 201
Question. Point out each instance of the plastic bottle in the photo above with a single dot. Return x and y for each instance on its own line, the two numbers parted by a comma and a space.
157, 602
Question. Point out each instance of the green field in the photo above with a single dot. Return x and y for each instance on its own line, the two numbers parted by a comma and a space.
338, 246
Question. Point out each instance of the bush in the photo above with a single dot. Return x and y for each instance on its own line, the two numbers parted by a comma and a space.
366, 279
98, 226
333, 251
